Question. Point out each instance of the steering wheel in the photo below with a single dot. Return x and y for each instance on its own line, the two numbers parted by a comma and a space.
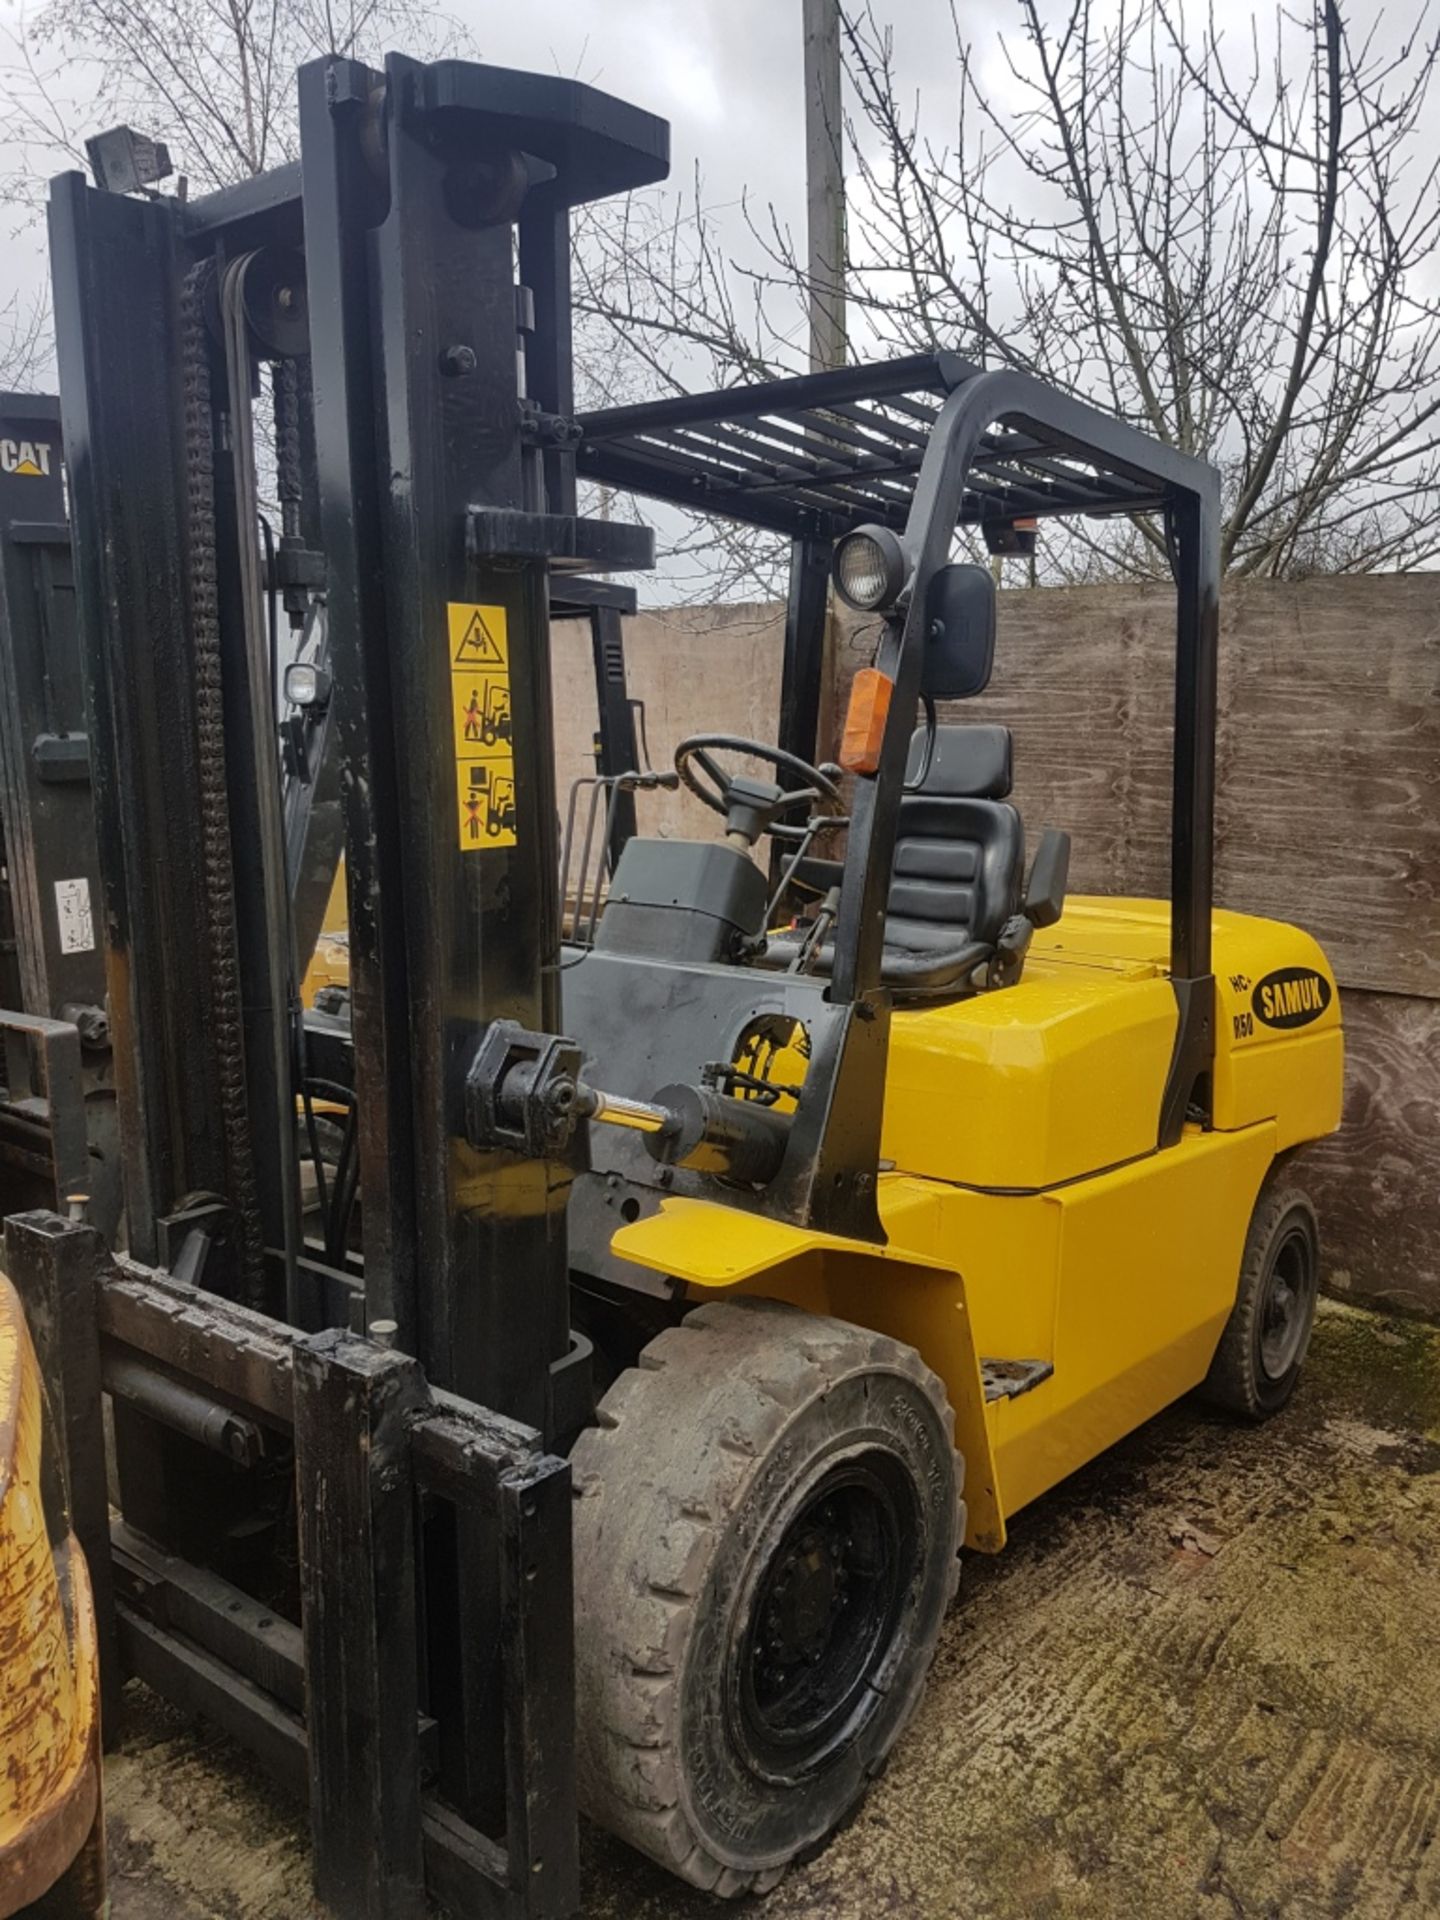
751, 806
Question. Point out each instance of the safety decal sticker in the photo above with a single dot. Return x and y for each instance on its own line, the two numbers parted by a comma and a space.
77, 921
479, 655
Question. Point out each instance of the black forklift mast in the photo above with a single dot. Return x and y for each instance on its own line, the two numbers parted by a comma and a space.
446, 497
156, 570
344, 1526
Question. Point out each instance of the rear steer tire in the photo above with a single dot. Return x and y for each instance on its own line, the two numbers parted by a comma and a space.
1257, 1363
767, 1527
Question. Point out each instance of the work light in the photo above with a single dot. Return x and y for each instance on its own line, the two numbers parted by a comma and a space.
306, 685
870, 568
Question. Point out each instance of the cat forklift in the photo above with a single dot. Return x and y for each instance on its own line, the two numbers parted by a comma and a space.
56, 1151
718, 1260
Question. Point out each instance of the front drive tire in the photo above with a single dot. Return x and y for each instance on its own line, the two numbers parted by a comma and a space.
767, 1525
1257, 1363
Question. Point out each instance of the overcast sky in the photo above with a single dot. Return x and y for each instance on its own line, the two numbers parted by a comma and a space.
725, 73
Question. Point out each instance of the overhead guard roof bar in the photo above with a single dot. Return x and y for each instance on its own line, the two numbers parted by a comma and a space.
815, 455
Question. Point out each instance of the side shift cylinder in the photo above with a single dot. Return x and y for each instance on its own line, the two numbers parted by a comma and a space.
738, 1140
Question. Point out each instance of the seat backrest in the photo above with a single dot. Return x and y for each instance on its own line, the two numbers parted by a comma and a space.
959, 845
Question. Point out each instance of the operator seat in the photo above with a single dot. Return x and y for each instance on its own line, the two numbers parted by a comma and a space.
959, 844
957, 882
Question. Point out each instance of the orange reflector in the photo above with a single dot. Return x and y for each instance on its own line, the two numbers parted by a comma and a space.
865, 718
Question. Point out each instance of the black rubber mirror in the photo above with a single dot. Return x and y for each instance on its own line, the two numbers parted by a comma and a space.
960, 635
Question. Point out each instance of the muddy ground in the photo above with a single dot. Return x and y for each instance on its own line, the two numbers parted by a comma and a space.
1203, 1680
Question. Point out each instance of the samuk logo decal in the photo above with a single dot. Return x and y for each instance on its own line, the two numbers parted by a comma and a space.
1291, 997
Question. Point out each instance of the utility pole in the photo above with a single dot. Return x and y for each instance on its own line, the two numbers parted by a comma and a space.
825, 278
824, 184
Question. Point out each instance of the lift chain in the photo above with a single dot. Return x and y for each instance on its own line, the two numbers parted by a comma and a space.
227, 1032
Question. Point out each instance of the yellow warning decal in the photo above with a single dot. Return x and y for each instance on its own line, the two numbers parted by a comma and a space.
478, 637
479, 656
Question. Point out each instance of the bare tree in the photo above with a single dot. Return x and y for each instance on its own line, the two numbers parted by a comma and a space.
660, 309
1236, 247
24, 342
215, 79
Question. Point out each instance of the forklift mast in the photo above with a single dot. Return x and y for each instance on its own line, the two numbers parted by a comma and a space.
441, 491
401, 1649
437, 577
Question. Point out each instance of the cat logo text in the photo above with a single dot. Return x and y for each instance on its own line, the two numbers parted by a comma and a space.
27, 458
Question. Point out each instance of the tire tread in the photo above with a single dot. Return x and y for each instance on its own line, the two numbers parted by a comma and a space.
1232, 1384
765, 1359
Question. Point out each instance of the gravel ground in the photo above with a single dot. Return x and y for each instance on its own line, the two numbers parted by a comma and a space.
1203, 1679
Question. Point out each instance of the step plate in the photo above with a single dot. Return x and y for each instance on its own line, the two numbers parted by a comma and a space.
1007, 1379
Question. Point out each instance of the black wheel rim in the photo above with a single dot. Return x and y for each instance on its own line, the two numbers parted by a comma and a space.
1286, 1304
828, 1604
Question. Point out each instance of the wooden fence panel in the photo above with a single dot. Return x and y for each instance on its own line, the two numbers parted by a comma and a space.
1327, 756
1377, 1181
1329, 805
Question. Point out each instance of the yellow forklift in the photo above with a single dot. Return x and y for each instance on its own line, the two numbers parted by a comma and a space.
57, 1141
702, 1279
955, 1180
